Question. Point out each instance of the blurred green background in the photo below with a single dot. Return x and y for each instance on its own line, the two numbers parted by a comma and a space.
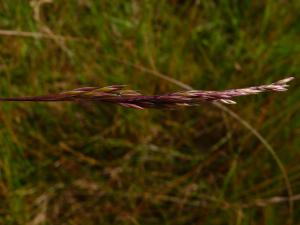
68, 163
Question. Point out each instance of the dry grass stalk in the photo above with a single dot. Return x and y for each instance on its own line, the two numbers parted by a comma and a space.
117, 94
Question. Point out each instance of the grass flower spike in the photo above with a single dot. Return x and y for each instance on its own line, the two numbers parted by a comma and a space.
118, 94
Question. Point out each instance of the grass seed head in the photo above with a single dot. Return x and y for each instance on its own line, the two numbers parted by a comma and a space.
129, 98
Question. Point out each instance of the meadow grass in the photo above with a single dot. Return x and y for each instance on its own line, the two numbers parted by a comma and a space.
82, 163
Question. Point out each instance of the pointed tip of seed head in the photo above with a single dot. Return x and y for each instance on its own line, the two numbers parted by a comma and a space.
286, 80
280, 89
130, 105
111, 88
227, 101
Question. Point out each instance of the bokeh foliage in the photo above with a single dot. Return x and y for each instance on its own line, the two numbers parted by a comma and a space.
66, 163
